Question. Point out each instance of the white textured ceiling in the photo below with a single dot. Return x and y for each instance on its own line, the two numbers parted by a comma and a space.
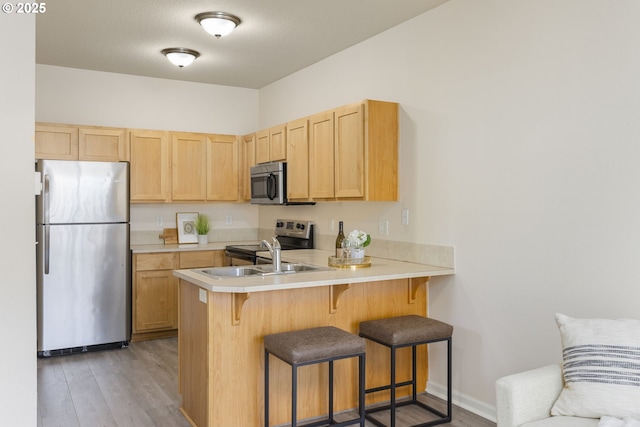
276, 37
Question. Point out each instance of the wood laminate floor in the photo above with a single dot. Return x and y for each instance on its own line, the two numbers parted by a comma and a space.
137, 387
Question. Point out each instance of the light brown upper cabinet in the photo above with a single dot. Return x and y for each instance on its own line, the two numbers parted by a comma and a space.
271, 144
57, 142
222, 167
380, 151
354, 152
349, 151
298, 159
248, 159
150, 166
103, 144
321, 154
70, 142
188, 167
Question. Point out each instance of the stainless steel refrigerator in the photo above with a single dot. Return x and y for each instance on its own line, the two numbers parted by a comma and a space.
83, 258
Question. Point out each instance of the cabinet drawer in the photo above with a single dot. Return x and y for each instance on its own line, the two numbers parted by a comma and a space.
157, 261
200, 259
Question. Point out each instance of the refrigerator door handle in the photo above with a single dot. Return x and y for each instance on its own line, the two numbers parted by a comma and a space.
46, 239
45, 200
45, 215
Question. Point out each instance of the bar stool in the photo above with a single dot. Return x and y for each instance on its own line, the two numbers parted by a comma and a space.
310, 346
405, 331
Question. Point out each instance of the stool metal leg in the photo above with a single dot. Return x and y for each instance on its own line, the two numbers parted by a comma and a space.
393, 387
361, 392
414, 395
294, 395
449, 388
331, 391
266, 388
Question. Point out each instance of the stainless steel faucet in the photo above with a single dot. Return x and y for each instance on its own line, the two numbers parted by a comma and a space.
274, 250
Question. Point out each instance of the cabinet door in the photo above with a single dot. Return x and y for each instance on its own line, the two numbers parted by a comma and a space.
262, 146
222, 167
189, 167
321, 168
381, 145
56, 142
150, 166
278, 143
102, 144
156, 301
298, 159
349, 151
248, 149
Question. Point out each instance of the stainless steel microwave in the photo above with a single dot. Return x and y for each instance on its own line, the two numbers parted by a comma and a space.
269, 183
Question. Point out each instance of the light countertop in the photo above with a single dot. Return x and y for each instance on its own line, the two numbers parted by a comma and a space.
380, 269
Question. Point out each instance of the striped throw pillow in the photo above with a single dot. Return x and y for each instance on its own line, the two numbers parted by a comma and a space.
601, 368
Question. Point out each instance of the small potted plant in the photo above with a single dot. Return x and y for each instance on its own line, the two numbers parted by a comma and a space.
358, 240
202, 228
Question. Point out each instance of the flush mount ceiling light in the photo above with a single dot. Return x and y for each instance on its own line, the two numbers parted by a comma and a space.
217, 23
180, 56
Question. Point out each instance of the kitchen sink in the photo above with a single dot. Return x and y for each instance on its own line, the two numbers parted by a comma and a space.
257, 270
229, 271
293, 268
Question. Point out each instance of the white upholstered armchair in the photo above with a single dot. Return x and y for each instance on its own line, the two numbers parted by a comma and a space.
602, 374
525, 400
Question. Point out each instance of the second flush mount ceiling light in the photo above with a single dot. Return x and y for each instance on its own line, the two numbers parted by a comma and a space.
217, 24
180, 56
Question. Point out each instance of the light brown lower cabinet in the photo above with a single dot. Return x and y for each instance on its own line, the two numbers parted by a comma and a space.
155, 290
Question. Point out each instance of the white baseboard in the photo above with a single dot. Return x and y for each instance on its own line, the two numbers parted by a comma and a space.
466, 402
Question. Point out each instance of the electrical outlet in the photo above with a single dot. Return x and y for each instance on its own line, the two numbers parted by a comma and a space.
332, 225
405, 216
159, 221
383, 227
202, 295
229, 220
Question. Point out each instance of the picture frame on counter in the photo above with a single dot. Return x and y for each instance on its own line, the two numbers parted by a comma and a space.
186, 225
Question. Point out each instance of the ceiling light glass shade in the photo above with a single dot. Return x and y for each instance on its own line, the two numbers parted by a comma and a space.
218, 24
180, 56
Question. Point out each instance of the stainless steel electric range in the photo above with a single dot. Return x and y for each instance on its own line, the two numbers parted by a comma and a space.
291, 233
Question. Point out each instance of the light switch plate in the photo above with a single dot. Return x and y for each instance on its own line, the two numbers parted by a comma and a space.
383, 227
405, 216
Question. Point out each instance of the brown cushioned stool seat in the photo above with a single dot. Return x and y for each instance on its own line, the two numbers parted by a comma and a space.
310, 346
405, 331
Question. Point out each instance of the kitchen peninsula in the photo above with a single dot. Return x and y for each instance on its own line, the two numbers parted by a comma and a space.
222, 323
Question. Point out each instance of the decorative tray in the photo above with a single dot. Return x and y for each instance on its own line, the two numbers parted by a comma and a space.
349, 262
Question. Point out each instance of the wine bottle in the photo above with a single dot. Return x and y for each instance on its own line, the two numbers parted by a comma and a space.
339, 240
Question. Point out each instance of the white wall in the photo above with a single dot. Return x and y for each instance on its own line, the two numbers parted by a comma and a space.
519, 146
17, 216
68, 95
